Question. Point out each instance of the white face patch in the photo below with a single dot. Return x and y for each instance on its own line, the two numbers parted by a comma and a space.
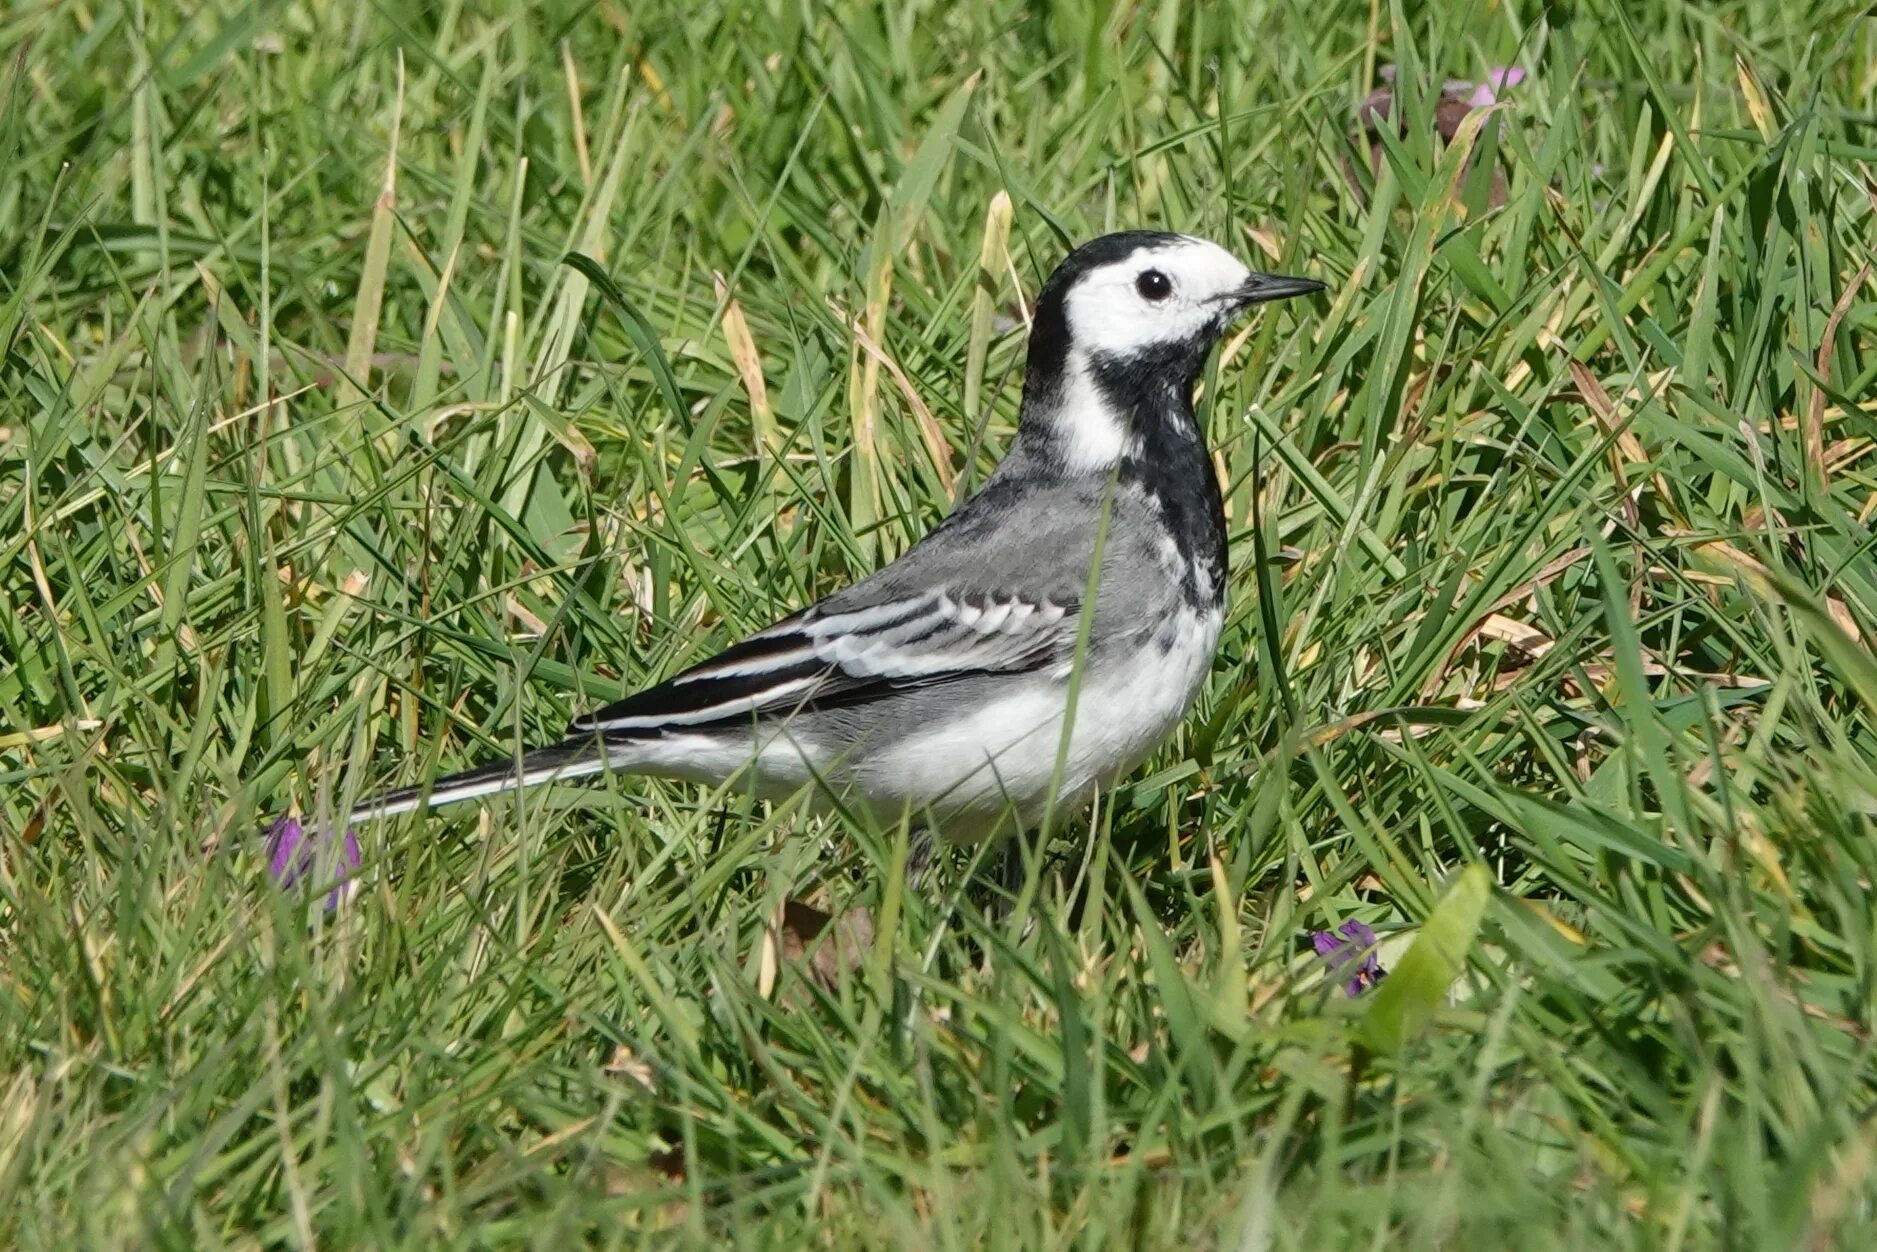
1121, 308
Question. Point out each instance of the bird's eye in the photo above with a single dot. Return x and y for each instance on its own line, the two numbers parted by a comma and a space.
1153, 285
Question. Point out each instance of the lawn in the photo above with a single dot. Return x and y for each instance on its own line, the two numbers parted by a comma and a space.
380, 386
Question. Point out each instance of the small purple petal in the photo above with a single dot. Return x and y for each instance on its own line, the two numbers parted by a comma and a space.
1352, 941
1357, 933
292, 851
286, 857
1498, 79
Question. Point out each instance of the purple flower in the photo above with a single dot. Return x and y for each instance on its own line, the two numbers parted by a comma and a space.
1458, 97
1351, 941
293, 851
1499, 78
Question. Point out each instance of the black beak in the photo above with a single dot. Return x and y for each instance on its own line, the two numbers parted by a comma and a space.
1260, 288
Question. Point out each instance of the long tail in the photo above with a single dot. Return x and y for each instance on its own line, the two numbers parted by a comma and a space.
570, 758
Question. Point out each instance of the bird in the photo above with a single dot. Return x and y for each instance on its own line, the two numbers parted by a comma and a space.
1035, 646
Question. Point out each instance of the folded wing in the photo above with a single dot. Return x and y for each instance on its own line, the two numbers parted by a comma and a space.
842, 653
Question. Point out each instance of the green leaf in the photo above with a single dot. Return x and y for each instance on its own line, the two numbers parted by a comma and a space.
640, 331
1175, 992
1405, 1001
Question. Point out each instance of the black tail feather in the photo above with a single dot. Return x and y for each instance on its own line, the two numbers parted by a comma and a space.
570, 758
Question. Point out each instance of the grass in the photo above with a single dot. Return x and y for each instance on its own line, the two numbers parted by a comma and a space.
323, 466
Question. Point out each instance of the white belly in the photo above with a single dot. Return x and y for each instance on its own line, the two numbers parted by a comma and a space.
1009, 754
976, 767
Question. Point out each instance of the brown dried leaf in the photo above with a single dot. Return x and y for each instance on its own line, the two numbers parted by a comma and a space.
35, 824
1551, 571
1814, 436
833, 944
1759, 579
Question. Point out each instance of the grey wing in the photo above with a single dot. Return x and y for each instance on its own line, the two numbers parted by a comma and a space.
835, 656
983, 593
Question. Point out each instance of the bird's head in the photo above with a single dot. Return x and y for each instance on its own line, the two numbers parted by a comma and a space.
1127, 320
1145, 293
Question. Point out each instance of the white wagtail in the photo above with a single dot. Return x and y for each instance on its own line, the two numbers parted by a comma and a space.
943, 684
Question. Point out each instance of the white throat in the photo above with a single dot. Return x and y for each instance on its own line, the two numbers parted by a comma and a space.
1091, 435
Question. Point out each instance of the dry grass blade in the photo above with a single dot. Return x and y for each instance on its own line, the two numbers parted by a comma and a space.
749, 369
1815, 411
936, 448
993, 264
368, 306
